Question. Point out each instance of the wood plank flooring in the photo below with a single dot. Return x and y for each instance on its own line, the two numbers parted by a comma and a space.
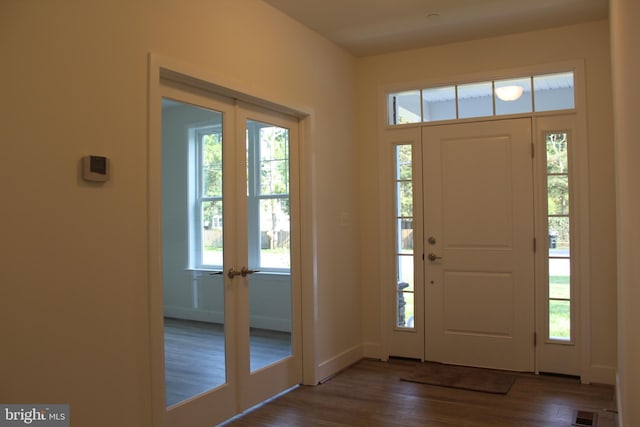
195, 355
370, 393
194, 358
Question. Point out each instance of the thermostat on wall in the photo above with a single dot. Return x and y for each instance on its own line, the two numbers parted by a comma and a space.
95, 168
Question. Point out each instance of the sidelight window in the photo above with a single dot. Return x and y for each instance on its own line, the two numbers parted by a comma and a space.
404, 253
560, 305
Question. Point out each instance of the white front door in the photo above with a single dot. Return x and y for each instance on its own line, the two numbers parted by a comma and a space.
230, 290
478, 244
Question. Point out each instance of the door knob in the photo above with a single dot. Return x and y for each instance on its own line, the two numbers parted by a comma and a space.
233, 273
433, 257
244, 271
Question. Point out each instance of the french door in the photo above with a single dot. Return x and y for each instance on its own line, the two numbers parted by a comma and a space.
230, 235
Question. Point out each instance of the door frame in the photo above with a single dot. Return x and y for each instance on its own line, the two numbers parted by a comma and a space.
410, 133
164, 68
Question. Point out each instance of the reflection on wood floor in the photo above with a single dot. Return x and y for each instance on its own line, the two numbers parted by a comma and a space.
371, 394
195, 356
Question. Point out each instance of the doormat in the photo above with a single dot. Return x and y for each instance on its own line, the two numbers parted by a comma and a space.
462, 377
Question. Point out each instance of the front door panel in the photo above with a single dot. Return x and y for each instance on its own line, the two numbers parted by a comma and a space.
478, 204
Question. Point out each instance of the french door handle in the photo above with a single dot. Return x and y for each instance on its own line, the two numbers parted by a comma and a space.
244, 271
233, 273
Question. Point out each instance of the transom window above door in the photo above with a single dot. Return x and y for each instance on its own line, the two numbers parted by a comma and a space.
512, 96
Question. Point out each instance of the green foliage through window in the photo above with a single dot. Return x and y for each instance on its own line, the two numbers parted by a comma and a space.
404, 257
559, 238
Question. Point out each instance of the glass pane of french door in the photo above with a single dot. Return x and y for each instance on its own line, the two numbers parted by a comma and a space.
269, 243
194, 298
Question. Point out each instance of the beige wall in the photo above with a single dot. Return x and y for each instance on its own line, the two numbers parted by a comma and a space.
626, 67
73, 256
589, 42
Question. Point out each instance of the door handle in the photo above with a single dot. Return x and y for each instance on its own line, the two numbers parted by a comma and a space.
244, 271
233, 273
433, 257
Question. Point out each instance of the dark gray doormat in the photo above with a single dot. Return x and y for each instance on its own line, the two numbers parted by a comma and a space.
462, 377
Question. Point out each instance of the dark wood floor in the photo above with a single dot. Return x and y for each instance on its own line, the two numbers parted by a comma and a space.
370, 393
195, 355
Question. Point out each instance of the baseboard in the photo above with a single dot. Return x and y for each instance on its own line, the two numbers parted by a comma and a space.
619, 402
193, 314
271, 323
332, 366
600, 374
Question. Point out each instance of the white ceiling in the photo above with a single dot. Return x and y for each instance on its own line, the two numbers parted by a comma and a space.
370, 27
